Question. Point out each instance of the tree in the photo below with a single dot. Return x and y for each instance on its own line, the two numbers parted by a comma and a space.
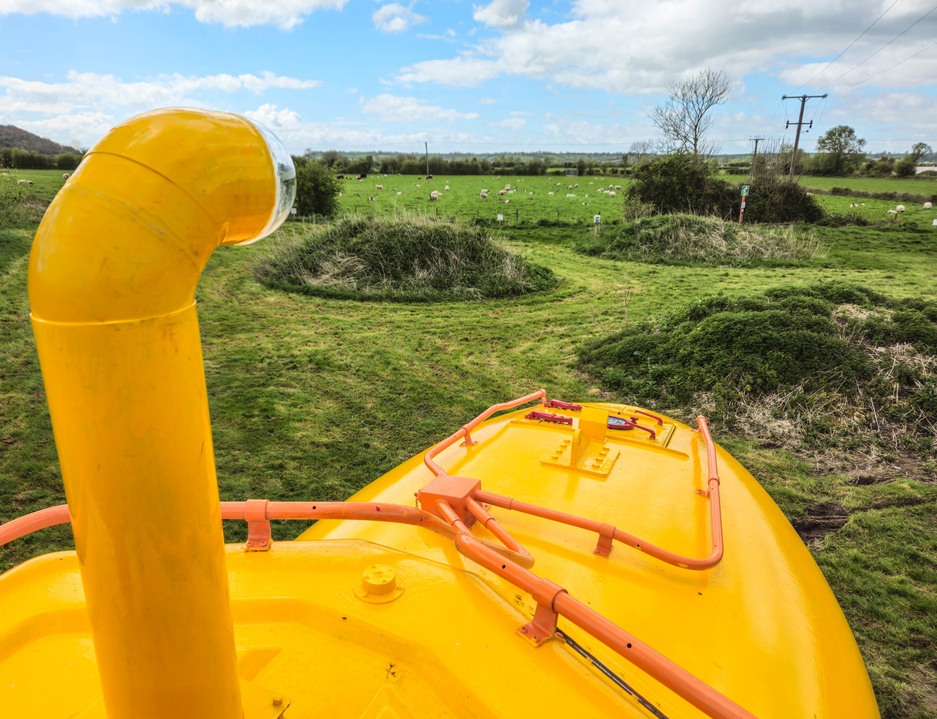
685, 118
680, 183
839, 151
316, 190
919, 150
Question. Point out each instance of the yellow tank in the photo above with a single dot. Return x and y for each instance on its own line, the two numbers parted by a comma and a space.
556, 560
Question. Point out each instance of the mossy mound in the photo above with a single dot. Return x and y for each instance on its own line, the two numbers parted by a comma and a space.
839, 361
697, 239
411, 260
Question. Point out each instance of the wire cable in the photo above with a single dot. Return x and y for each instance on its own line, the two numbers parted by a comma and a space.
881, 48
849, 46
910, 57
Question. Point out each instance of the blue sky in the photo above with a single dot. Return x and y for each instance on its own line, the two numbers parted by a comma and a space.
501, 76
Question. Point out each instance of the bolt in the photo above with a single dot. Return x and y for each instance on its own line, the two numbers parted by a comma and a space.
277, 700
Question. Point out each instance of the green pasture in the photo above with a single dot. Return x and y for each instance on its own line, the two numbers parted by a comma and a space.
312, 398
862, 184
528, 201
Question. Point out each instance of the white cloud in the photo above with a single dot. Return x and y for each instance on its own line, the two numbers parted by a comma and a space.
487, 101
395, 17
630, 48
502, 13
511, 123
391, 108
86, 105
230, 13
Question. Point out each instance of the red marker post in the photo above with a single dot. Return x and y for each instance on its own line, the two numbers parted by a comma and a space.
744, 197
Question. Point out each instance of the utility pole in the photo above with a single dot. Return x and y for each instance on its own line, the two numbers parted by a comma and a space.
800, 122
756, 140
426, 148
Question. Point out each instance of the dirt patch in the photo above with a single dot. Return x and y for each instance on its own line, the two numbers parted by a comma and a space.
821, 519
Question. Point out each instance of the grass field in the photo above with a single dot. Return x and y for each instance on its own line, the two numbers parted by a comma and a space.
314, 398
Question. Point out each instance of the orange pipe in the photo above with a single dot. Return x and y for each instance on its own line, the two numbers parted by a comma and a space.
21, 526
466, 429
671, 675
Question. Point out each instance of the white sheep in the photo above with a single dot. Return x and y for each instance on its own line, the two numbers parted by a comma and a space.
502, 192
434, 195
550, 194
612, 194
854, 204
900, 208
484, 194
618, 187
928, 205
379, 187
507, 202
891, 212
66, 176
399, 193
446, 188
570, 196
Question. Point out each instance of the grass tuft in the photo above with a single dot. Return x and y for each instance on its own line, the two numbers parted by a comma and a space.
682, 239
406, 260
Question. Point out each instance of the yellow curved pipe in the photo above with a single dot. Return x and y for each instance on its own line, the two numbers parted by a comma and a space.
112, 277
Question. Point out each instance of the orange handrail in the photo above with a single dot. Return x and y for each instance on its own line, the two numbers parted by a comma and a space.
664, 555
466, 429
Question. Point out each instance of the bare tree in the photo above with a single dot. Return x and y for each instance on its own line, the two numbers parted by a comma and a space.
685, 118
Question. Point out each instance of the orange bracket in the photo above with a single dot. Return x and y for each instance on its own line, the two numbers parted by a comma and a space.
258, 526
543, 626
606, 535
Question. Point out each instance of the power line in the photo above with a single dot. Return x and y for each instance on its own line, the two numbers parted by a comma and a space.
881, 48
849, 46
848, 87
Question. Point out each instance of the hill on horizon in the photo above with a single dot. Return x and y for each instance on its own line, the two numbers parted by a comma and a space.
12, 136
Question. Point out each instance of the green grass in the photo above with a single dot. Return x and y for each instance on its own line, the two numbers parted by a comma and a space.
314, 397
863, 184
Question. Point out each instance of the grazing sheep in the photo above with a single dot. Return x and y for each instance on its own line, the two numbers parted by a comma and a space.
502, 192
429, 177
399, 193
379, 187
612, 194
24, 182
484, 194
928, 205
618, 187
570, 196
507, 187
446, 188
66, 176
507, 202
854, 204
370, 199
892, 212
900, 208
550, 194
434, 195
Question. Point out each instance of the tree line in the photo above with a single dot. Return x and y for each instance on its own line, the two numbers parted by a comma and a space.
16, 158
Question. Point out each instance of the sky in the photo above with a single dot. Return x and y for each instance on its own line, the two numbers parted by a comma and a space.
502, 76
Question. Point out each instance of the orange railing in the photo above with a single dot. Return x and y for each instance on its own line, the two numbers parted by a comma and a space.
552, 600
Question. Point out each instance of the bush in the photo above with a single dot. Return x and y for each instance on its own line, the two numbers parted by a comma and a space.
316, 190
680, 239
681, 183
400, 260
843, 364
772, 199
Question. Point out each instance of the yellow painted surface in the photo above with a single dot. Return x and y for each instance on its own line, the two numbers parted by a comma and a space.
762, 627
112, 277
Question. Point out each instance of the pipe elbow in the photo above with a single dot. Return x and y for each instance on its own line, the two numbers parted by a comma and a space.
129, 234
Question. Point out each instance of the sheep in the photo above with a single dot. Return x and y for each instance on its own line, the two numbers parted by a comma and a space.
507, 202
446, 188
900, 208
507, 187
400, 193
484, 194
502, 192
66, 176
928, 205
550, 194
429, 177
379, 187
892, 212
570, 196
24, 182
618, 187
612, 194
854, 204
434, 195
